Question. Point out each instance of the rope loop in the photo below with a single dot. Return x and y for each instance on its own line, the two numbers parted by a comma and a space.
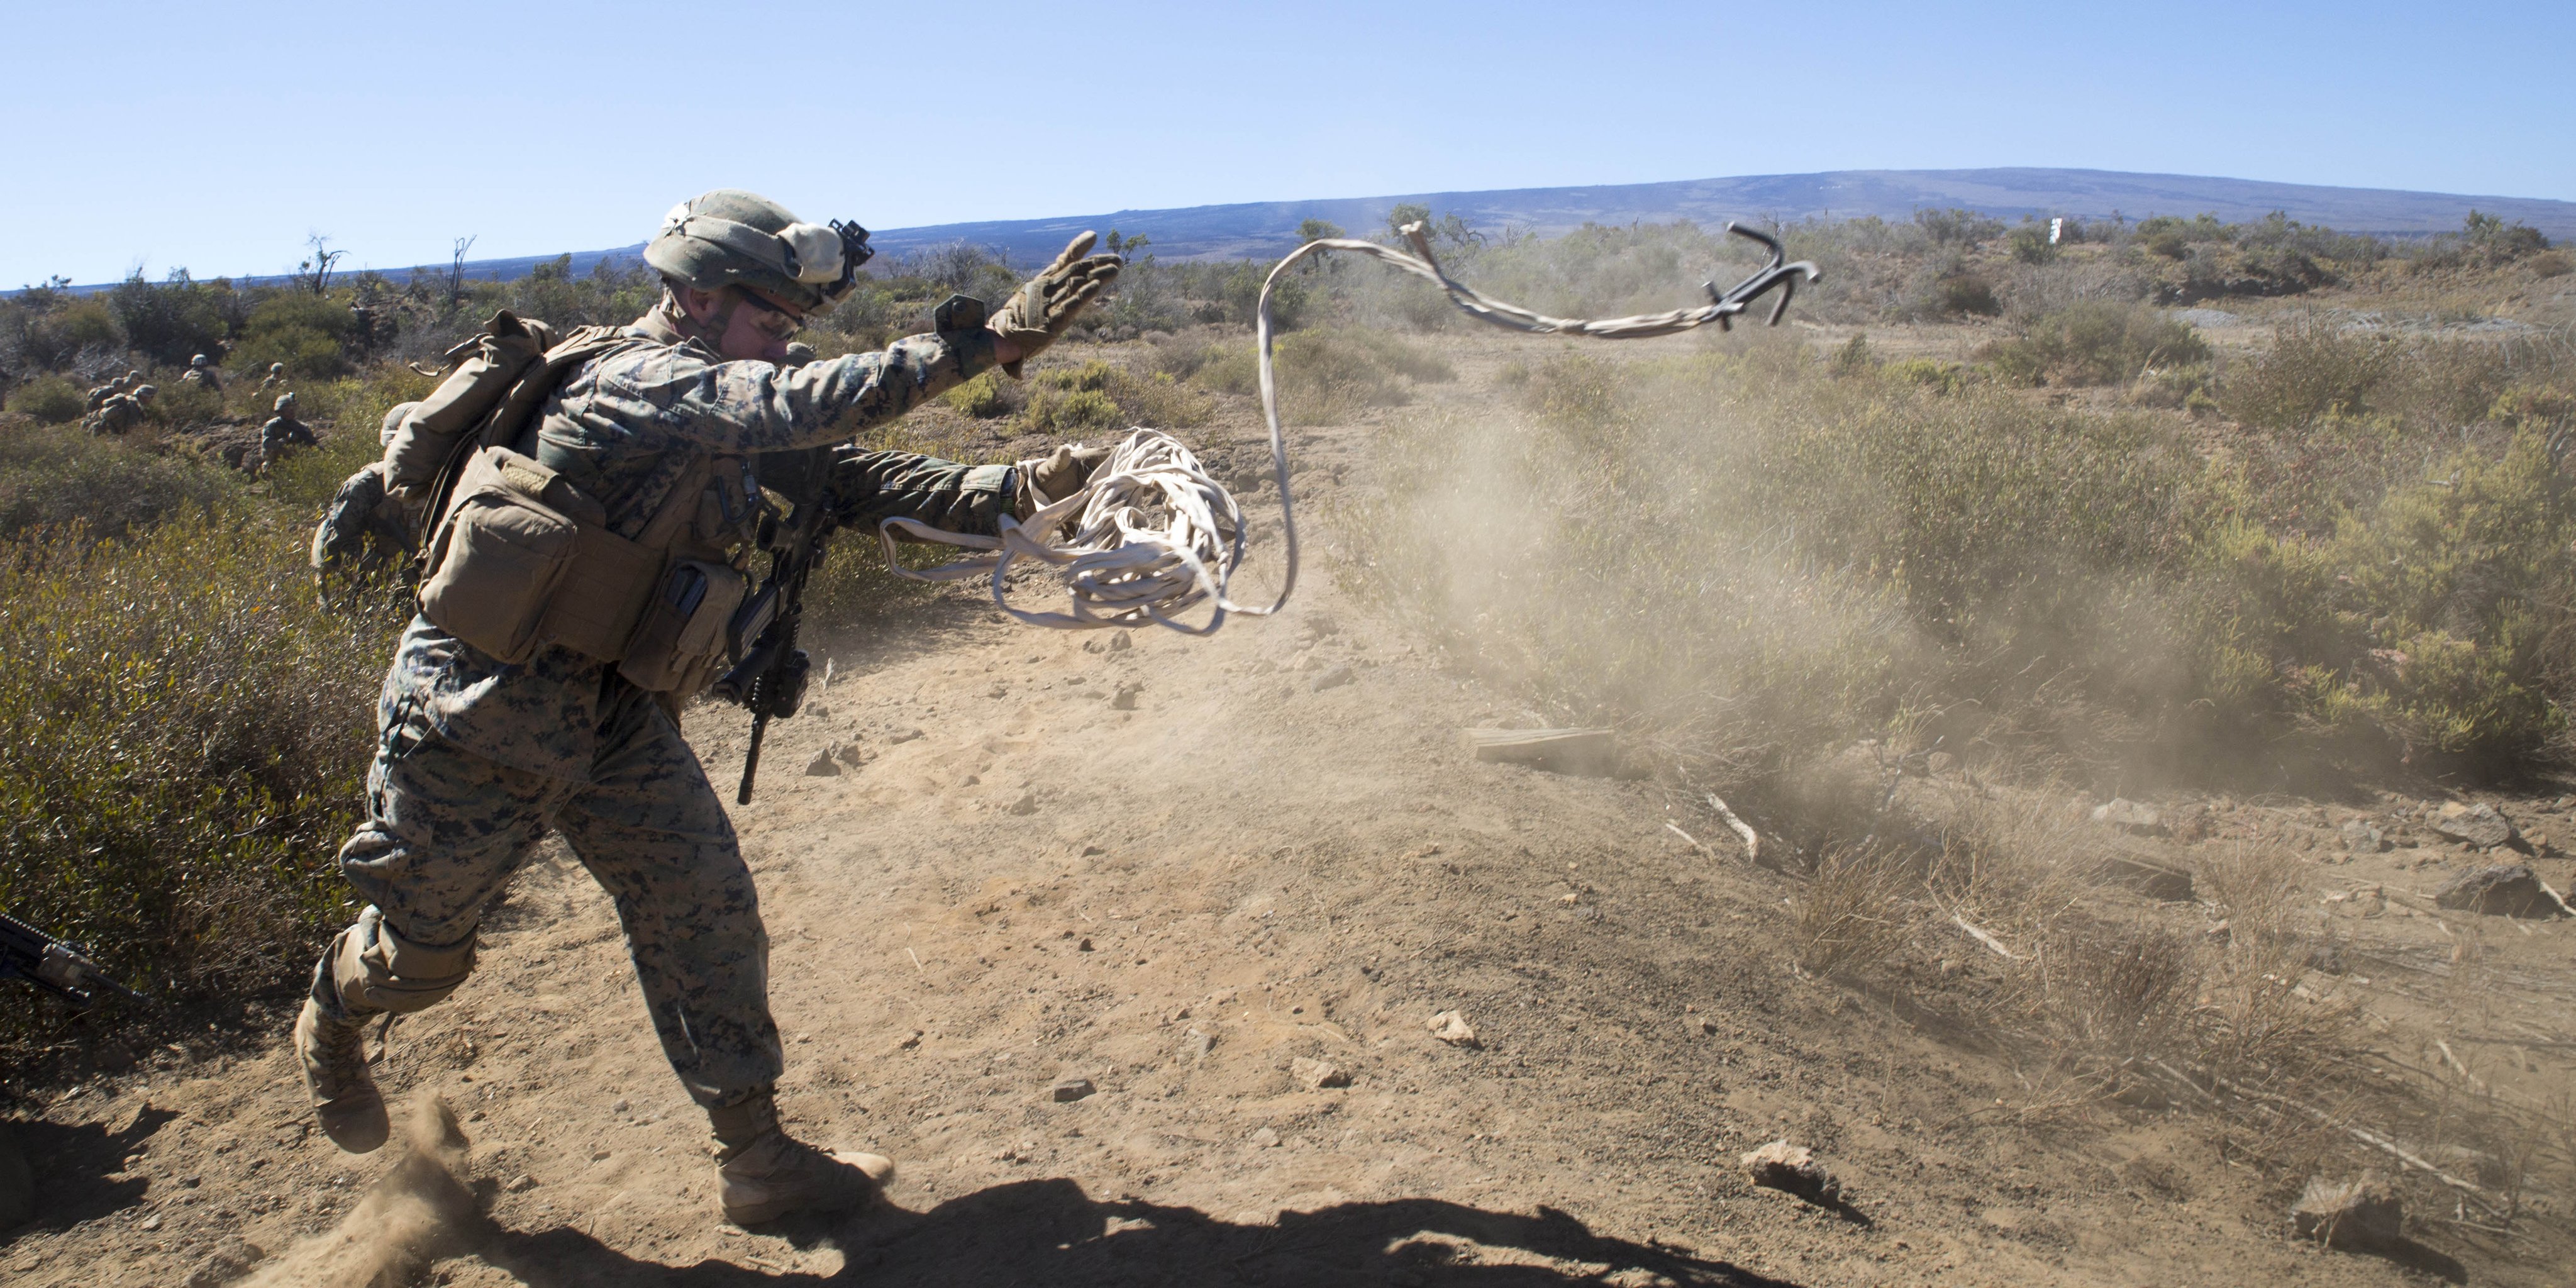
1154, 536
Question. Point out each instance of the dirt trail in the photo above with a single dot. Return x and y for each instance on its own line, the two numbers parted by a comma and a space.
1022, 882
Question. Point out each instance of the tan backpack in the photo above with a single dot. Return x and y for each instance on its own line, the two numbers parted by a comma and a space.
496, 380
519, 558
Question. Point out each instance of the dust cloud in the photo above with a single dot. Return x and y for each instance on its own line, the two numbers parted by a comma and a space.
417, 1210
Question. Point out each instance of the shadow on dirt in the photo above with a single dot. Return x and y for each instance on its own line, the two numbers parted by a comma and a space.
2423, 1260
1050, 1232
77, 1172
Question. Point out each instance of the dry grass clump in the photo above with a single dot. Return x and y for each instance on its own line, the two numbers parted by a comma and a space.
2091, 1000
1325, 376
1855, 910
2096, 342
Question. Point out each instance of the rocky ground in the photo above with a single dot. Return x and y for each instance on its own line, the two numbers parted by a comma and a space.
1159, 960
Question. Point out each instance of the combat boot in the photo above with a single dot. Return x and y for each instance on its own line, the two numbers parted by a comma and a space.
333, 1050
765, 1174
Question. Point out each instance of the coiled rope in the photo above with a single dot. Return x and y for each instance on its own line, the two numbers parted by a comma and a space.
1154, 536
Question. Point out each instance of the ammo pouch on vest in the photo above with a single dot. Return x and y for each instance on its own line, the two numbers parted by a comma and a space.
525, 560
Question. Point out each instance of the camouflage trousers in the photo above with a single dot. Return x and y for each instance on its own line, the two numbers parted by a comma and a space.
446, 829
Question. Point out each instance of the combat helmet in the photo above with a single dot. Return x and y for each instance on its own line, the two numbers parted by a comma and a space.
729, 237
394, 421
145, 393
285, 403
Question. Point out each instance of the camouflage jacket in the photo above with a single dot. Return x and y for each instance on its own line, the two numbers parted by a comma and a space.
285, 431
628, 425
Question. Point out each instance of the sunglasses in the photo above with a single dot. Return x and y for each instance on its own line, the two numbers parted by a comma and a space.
774, 321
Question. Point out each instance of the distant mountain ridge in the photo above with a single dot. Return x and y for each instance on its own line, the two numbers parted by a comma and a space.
1269, 228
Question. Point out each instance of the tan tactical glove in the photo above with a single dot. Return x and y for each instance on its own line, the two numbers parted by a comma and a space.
1047, 304
1053, 477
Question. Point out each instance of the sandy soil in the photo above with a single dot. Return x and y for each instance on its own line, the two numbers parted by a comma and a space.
1012, 880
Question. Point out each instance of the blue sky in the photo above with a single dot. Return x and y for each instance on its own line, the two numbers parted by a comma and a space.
217, 136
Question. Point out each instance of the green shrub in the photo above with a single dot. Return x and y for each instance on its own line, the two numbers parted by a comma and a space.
2315, 368
2173, 237
54, 400
2217, 271
184, 736
1061, 410
1965, 294
171, 321
1102, 395
1930, 373
63, 477
1239, 296
2094, 342
1854, 357
2534, 407
185, 402
1964, 229
982, 397
2492, 241
50, 330
2171, 243
2436, 616
2029, 243
300, 329
2185, 385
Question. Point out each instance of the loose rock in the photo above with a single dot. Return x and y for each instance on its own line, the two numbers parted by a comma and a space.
1315, 1075
521, 1183
1026, 804
1126, 699
1120, 642
1333, 677
2360, 837
2479, 825
1453, 1028
2507, 890
1793, 1169
903, 735
2359, 1213
230, 1260
2131, 816
1068, 1090
1198, 1045
822, 765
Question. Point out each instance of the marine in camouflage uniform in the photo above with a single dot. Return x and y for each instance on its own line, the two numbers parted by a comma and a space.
366, 531
283, 433
276, 376
201, 371
476, 759
122, 412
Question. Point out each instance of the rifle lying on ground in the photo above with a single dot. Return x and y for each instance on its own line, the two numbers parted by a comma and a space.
52, 965
769, 671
